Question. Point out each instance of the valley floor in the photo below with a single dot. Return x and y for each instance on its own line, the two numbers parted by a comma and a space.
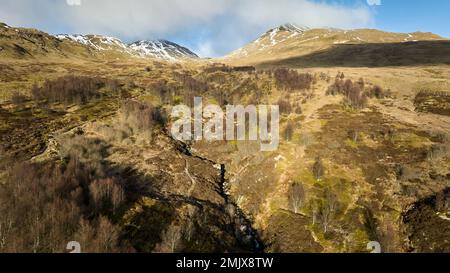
379, 173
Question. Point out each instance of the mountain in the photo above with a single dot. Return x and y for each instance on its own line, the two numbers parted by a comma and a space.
302, 46
21, 43
161, 49
32, 43
96, 41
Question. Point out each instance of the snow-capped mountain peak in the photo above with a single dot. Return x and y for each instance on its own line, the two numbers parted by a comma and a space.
97, 41
273, 37
293, 28
162, 49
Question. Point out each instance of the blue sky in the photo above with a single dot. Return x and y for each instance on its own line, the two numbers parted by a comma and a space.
216, 27
413, 15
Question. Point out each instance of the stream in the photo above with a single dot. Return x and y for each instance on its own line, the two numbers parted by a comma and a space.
246, 230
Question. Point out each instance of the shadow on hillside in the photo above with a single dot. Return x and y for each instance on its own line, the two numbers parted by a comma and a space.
372, 55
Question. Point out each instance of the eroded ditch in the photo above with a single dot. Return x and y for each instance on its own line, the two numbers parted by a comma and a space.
245, 231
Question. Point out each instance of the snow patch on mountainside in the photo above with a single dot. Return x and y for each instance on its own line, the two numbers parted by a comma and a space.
270, 39
291, 28
341, 42
161, 49
273, 34
96, 41
76, 38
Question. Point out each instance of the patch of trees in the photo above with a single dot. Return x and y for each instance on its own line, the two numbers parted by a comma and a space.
291, 80
356, 93
191, 84
142, 116
227, 69
44, 206
164, 90
72, 89
183, 89
217, 68
353, 92
243, 69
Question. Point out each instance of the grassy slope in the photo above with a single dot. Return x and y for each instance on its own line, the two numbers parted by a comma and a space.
330, 47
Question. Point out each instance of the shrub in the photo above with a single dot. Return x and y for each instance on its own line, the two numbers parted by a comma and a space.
336, 88
377, 92
17, 98
289, 131
284, 106
306, 140
324, 77
437, 151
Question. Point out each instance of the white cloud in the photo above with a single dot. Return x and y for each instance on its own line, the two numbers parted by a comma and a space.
374, 2
73, 2
227, 23
205, 49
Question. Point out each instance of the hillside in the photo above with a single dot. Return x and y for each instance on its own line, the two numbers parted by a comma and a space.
303, 47
364, 152
20, 43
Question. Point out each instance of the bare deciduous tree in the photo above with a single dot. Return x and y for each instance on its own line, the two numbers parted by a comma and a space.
69, 89
289, 131
318, 169
325, 210
44, 206
106, 194
171, 239
296, 197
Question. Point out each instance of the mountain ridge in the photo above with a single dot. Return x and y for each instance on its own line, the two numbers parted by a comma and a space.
281, 42
288, 41
33, 43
